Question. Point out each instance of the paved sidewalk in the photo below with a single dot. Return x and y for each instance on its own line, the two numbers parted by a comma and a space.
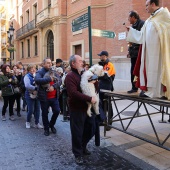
29, 149
149, 153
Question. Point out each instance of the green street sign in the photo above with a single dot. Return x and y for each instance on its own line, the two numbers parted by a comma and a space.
80, 19
80, 23
80, 26
103, 33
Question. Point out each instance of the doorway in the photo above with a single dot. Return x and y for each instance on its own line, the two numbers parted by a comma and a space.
50, 45
78, 49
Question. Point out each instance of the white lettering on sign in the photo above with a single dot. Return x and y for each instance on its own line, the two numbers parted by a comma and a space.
122, 36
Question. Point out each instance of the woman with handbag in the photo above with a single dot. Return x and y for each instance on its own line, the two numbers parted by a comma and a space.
33, 104
7, 82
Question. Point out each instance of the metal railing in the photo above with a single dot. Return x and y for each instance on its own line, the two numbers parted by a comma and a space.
3, 54
26, 28
3, 41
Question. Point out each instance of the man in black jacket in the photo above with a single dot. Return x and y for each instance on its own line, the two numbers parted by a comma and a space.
137, 24
79, 125
48, 97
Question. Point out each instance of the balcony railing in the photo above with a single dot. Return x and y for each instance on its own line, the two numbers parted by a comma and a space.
26, 28
3, 55
44, 14
3, 42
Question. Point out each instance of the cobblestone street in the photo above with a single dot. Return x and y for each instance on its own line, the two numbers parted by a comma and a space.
29, 149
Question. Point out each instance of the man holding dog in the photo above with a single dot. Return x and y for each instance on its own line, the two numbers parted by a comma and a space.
78, 109
48, 97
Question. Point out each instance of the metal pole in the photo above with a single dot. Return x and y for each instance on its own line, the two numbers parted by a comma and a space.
90, 36
10, 60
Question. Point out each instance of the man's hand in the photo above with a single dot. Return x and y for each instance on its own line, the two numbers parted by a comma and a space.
51, 88
128, 28
93, 100
128, 55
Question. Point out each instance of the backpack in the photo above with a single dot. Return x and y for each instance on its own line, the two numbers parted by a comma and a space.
22, 85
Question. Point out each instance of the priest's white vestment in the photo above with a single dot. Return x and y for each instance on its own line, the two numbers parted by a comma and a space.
155, 57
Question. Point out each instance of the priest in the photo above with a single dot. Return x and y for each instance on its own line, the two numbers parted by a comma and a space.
154, 59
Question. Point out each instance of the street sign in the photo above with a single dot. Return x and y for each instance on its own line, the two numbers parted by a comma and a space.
80, 26
80, 19
80, 23
103, 33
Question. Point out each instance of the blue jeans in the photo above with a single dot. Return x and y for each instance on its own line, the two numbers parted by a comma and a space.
33, 108
54, 104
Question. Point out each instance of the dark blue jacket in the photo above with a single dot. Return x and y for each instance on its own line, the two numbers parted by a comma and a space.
39, 80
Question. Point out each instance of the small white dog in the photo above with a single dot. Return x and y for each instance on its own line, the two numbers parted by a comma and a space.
88, 79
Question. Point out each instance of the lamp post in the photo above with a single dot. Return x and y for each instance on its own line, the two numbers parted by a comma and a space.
10, 34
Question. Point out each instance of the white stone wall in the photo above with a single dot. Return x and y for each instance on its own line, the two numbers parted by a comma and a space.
122, 79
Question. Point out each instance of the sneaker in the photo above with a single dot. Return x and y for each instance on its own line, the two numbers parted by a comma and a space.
46, 132
38, 126
28, 125
3, 118
79, 160
12, 118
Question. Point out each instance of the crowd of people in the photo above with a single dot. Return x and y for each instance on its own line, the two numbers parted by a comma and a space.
42, 88
18, 82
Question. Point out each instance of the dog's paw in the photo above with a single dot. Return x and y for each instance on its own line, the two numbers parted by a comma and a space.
89, 114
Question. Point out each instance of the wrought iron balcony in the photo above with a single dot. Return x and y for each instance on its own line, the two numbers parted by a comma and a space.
3, 55
3, 42
26, 30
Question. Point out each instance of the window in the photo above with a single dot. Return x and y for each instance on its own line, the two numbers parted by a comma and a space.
28, 47
35, 46
73, 0
22, 49
28, 16
21, 21
35, 11
49, 2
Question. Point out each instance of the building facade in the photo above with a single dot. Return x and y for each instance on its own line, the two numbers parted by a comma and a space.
4, 24
44, 29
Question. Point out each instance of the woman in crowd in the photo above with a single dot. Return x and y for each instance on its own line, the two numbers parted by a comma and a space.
33, 103
7, 82
17, 91
22, 87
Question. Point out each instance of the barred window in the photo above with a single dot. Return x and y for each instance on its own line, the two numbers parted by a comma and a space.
36, 45
49, 2
22, 49
28, 46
